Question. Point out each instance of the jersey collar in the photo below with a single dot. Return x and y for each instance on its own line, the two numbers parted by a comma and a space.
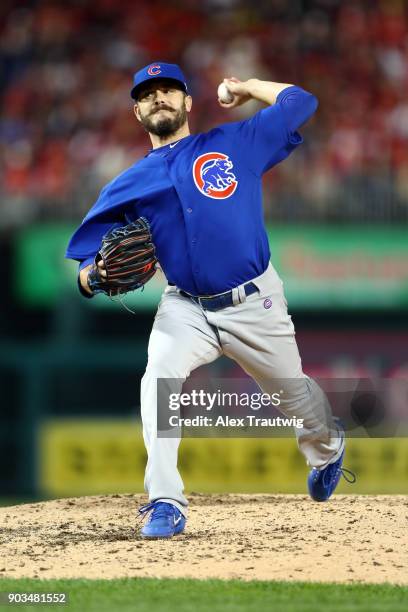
168, 147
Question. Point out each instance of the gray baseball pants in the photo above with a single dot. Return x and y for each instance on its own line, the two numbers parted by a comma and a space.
262, 341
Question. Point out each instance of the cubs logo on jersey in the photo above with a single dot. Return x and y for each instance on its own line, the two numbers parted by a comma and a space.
213, 176
154, 69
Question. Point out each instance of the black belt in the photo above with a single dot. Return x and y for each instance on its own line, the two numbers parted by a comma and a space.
217, 302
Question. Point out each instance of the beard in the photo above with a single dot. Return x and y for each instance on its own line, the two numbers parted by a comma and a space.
166, 125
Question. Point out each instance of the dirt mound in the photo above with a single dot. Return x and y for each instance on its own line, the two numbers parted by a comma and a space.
267, 537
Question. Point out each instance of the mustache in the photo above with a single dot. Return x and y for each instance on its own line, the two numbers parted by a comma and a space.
162, 108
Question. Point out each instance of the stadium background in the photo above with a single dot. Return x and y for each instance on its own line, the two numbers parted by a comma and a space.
336, 210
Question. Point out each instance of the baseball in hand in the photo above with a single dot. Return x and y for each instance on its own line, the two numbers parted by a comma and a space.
224, 93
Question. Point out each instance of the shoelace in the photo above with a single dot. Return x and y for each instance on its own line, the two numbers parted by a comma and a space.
158, 510
331, 474
348, 475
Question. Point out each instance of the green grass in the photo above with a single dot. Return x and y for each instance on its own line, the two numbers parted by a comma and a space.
153, 595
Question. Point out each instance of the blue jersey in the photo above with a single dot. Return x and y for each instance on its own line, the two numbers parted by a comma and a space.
202, 196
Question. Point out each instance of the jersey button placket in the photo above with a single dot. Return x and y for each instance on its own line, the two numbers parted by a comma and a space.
193, 239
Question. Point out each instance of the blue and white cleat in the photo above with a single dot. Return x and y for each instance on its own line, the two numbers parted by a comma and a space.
165, 520
322, 482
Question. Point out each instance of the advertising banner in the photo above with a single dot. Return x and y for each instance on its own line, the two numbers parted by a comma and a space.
323, 268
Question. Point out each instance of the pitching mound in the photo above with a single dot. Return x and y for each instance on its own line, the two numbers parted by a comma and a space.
267, 537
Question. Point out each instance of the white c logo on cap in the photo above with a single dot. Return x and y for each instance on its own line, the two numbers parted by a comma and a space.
154, 69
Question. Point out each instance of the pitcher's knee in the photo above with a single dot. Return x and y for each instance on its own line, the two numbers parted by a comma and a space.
165, 368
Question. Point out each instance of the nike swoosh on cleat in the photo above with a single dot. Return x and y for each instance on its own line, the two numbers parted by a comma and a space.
176, 521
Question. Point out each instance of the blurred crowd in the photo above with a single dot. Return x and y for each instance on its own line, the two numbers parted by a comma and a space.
67, 125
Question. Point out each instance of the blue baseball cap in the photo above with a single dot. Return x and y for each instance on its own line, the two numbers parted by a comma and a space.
158, 70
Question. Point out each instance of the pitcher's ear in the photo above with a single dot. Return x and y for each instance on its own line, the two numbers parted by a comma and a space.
136, 111
188, 103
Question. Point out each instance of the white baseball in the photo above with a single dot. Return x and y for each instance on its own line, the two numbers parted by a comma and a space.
224, 93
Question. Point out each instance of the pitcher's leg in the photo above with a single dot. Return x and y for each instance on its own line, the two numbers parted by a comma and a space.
181, 340
302, 398
259, 335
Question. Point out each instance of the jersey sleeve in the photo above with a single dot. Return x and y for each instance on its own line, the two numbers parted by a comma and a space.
108, 213
271, 134
85, 242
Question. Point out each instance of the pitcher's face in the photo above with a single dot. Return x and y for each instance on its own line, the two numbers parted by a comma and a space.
162, 107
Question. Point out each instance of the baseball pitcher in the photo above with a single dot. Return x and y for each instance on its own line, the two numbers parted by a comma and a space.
223, 296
